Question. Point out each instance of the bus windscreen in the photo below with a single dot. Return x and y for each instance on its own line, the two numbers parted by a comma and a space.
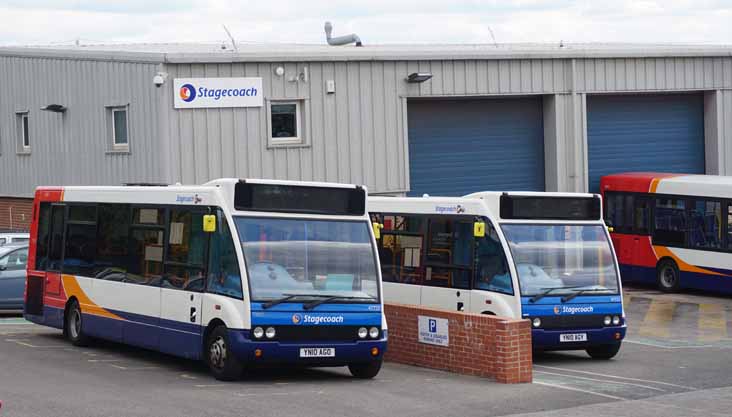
300, 199
549, 208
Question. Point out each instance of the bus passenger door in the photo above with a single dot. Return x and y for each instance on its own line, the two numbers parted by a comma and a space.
448, 264
183, 282
493, 291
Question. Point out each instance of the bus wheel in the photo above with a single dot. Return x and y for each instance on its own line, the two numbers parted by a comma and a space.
668, 277
73, 325
222, 362
604, 351
365, 370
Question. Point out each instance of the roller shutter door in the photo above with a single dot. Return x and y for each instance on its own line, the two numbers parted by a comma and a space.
662, 132
457, 147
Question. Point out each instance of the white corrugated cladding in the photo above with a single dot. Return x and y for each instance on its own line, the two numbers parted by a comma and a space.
358, 134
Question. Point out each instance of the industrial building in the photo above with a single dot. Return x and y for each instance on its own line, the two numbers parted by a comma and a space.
402, 119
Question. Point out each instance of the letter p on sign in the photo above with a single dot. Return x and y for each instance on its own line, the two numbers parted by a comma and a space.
433, 326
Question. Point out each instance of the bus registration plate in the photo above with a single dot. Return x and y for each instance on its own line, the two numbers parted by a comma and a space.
573, 337
317, 352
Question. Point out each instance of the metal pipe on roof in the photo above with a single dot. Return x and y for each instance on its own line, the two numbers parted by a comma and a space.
340, 40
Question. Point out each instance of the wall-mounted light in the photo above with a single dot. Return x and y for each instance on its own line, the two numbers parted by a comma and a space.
279, 71
55, 108
418, 77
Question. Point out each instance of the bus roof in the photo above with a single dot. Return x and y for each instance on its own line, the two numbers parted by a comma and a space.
486, 203
220, 192
669, 183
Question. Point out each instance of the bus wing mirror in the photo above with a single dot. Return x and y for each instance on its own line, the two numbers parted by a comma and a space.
377, 230
479, 229
209, 223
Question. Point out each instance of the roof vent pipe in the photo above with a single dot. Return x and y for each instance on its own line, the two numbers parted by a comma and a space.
340, 40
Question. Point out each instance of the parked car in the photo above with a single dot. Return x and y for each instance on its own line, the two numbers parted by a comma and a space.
13, 259
13, 238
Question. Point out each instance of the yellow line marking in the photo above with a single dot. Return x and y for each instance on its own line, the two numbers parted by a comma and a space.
186, 376
657, 322
712, 322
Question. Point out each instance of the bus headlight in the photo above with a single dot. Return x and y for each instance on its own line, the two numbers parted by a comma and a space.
270, 332
536, 322
362, 333
373, 332
608, 320
258, 332
616, 320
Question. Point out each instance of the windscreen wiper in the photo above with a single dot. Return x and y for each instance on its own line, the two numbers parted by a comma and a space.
288, 297
311, 305
580, 292
539, 296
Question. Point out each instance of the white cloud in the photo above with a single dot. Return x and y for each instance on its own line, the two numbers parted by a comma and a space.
376, 21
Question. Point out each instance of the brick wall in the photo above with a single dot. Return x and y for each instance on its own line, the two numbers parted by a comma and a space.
481, 345
15, 214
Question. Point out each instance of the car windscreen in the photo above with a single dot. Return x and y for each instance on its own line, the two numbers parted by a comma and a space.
301, 256
566, 257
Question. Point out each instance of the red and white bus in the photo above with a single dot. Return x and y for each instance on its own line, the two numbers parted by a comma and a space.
673, 230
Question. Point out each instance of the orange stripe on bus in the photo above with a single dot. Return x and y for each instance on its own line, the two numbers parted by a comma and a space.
664, 252
72, 289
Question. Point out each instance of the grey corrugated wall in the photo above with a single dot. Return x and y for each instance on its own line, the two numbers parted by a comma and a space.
72, 148
355, 135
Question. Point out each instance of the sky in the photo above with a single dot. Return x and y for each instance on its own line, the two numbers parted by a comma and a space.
33, 22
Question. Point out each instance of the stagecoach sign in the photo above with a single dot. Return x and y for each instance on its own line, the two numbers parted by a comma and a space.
433, 331
191, 93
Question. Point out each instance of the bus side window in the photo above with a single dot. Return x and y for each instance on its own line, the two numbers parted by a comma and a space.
670, 222
113, 245
224, 277
491, 273
401, 249
44, 221
81, 240
705, 226
185, 265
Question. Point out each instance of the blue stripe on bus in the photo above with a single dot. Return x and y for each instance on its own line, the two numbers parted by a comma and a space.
306, 318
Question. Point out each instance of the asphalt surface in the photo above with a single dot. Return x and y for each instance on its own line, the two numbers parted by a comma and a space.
675, 362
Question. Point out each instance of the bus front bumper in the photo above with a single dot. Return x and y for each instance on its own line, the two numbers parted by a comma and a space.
551, 339
254, 352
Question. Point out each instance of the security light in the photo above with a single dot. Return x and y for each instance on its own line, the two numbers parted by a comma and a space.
56, 108
418, 77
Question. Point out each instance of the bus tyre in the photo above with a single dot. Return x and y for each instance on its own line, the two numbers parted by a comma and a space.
365, 370
222, 362
668, 276
604, 352
73, 325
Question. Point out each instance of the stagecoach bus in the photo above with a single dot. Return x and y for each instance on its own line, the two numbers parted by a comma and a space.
545, 257
239, 273
671, 230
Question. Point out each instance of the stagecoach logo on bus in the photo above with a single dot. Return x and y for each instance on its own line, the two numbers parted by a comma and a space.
298, 318
195, 199
573, 309
191, 93
457, 209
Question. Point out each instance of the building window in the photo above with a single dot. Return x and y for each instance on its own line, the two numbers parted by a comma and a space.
118, 129
23, 132
285, 123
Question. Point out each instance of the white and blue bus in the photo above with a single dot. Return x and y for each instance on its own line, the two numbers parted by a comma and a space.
546, 257
239, 273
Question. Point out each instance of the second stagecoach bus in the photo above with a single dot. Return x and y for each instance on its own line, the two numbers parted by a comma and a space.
545, 257
237, 273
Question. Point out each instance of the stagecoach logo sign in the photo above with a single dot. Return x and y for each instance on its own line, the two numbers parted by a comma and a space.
217, 92
457, 209
573, 309
298, 318
195, 199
